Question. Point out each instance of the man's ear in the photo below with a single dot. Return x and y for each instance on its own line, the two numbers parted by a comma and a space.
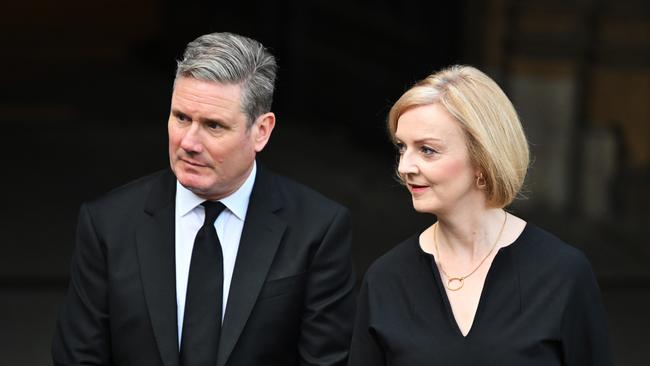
262, 129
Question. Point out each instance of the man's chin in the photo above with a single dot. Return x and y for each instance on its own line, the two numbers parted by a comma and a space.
193, 182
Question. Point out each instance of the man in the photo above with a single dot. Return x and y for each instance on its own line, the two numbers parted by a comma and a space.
220, 261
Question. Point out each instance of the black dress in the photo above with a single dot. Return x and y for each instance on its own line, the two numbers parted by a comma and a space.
540, 305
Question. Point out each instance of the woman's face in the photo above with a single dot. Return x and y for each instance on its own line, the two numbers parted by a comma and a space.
434, 161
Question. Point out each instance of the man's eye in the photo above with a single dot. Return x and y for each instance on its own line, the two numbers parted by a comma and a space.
213, 125
182, 118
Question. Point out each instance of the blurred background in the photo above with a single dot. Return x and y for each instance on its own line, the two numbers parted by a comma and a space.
85, 98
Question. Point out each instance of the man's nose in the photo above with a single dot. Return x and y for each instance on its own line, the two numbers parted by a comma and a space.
191, 141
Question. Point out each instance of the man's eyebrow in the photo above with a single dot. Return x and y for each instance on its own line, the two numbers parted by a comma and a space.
177, 112
219, 121
212, 120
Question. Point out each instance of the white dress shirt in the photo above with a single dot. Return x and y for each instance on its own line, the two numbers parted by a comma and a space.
189, 218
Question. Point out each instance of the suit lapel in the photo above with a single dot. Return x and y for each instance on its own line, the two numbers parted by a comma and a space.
259, 241
156, 255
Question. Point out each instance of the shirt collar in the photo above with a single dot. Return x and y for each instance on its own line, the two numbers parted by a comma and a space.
237, 202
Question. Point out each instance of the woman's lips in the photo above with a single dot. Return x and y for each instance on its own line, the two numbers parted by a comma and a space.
417, 188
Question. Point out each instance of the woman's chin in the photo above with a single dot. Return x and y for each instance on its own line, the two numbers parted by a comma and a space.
423, 207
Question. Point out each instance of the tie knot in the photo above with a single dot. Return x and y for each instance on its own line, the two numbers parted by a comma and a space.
212, 211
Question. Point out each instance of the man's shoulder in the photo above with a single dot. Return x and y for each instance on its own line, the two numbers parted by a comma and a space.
134, 191
291, 187
294, 192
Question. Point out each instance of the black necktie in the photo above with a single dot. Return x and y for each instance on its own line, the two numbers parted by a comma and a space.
203, 301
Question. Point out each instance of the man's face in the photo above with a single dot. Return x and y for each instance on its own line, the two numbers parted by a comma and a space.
211, 148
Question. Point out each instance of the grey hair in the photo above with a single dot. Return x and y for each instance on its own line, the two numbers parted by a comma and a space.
233, 59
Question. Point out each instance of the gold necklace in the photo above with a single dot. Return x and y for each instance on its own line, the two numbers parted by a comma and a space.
460, 281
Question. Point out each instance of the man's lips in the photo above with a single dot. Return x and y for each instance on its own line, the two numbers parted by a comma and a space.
192, 162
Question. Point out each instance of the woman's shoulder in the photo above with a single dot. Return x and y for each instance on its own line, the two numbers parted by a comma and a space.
394, 262
543, 252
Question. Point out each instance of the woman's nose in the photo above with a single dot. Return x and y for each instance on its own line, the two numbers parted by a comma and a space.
406, 165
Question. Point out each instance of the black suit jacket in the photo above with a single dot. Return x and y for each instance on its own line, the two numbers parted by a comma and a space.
291, 299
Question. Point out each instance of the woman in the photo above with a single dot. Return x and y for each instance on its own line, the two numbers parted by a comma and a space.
480, 286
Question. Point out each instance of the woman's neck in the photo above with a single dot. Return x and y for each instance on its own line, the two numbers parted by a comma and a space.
469, 233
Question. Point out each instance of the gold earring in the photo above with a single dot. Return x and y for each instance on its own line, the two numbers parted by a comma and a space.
481, 183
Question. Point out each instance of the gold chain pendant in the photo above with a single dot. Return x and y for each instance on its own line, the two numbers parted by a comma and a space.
459, 281
456, 283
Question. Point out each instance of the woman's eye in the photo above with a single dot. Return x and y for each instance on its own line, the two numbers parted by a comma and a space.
427, 150
400, 148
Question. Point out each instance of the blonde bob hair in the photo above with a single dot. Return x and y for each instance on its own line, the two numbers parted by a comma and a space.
495, 139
